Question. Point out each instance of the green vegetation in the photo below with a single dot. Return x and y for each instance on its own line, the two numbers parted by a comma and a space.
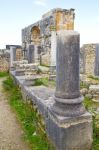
28, 117
44, 81
44, 65
3, 74
84, 85
90, 107
93, 77
88, 103
96, 131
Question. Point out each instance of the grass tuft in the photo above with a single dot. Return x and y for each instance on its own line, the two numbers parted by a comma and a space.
3, 74
84, 85
44, 81
89, 106
94, 77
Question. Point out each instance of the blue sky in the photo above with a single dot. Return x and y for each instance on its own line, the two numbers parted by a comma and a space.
16, 14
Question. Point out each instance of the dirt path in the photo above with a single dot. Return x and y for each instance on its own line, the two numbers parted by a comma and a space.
10, 131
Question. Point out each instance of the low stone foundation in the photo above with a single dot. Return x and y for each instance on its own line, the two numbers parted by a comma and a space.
63, 127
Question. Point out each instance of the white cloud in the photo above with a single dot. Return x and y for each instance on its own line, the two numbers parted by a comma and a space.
40, 2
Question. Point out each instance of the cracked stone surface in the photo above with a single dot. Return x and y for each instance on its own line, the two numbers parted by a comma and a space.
11, 134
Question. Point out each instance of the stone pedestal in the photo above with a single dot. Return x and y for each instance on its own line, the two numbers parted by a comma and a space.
70, 133
68, 120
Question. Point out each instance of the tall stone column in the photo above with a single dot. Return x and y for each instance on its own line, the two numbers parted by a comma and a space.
67, 95
12, 55
53, 51
68, 121
31, 54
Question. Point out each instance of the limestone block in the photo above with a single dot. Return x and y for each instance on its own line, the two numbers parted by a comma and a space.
45, 59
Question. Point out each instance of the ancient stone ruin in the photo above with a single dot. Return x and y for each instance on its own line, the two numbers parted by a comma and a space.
4, 61
52, 45
39, 39
90, 59
89, 69
5, 54
65, 118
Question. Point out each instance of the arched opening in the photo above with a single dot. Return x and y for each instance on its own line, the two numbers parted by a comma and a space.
35, 35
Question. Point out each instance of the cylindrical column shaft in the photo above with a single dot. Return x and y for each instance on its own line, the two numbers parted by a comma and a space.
67, 95
67, 68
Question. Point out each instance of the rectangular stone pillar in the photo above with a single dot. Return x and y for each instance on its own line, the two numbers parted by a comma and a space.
36, 57
53, 51
69, 125
31, 54
12, 55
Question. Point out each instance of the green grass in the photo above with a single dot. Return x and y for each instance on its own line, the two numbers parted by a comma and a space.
44, 81
93, 77
28, 118
89, 106
84, 85
44, 65
3, 74
88, 103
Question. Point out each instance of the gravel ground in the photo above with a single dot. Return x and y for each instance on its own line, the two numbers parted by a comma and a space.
10, 130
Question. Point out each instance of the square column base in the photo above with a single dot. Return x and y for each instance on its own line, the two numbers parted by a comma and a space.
70, 133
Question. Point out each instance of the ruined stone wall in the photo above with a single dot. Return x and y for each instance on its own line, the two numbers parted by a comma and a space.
88, 54
56, 19
5, 59
40, 33
65, 20
4, 63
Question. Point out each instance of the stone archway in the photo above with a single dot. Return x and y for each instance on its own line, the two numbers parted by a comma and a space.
35, 35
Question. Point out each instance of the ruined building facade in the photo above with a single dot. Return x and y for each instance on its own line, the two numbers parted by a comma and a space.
90, 59
5, 56
39, 39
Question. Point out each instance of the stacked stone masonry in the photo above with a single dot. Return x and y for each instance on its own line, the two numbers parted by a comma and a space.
43, 33
4, 64
90, 59
5, 57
